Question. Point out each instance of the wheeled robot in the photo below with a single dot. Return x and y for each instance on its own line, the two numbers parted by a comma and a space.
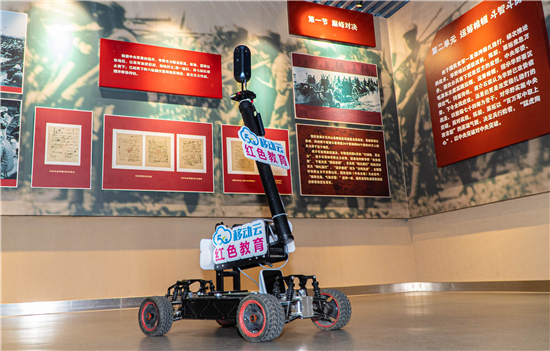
259, 315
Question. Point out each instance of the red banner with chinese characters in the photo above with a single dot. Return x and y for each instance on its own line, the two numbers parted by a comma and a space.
342, 162
240, 174
133, 66
62, 149
487, 74
157, 155
334, 90
330, 23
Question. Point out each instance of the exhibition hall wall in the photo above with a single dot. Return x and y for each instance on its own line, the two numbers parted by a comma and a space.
95, 243
62, 68
515, 171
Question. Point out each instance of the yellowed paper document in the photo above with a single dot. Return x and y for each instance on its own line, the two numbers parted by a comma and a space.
129, 149
63, 144
158, 151
191, 153
239, 163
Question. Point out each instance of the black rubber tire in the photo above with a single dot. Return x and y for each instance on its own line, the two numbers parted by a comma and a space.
260, 318
155, 316
340, 314
226, 323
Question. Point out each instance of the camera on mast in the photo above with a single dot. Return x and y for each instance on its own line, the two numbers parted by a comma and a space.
242, 70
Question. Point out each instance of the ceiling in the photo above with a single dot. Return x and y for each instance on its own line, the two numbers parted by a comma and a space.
380, 8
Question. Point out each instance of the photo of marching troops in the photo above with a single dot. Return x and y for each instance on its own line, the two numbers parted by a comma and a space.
335, 89
13, 33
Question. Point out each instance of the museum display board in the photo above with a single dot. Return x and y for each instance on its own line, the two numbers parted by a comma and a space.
133, 66
342, 162
330, 23
487, 75
333, 90
157, 155
62, 149
509, 172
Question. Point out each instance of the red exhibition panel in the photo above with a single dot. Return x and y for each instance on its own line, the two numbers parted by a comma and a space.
157, 155
330, 23
8, 89
342, 162
240, 175
335, 90
487, 74
133, 66
62, 149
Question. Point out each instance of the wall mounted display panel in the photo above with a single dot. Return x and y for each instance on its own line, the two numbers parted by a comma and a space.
62, 149
342, 162
487, 74
61, 71
157, 155
12, 56
330, 23
240, 174
133, 66
336, 90
10, 123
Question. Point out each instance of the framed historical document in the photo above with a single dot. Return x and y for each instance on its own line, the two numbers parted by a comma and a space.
157, 155
62, 149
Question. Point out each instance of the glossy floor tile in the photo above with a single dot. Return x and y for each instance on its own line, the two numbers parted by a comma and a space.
408, 321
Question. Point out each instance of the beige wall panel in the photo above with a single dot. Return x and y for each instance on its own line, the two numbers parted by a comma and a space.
355, 265
75, 258
56, 276
505, 241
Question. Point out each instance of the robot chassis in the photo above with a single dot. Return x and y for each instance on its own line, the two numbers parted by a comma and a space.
259, 316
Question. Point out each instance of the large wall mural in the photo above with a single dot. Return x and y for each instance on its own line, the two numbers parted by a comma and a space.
511, 172
62, 69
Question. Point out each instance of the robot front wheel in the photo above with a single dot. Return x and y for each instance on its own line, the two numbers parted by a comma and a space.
155, 316
260, 318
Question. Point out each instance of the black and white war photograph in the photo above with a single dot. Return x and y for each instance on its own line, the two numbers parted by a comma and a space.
10, 121
13, 32
335, 89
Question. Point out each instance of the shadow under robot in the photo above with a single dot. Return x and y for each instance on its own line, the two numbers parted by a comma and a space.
259, 315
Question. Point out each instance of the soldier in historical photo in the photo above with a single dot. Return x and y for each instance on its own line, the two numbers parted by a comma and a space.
8, 153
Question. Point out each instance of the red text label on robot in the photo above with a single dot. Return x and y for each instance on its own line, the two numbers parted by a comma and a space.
237, 243
263, 150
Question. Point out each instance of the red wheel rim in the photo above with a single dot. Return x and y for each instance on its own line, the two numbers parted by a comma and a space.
335, 319
148, 313
248, 308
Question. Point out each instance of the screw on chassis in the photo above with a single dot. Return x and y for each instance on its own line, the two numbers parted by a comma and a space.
260, 316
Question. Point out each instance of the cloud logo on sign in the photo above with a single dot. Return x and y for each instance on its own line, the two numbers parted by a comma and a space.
247, 136
221, 236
